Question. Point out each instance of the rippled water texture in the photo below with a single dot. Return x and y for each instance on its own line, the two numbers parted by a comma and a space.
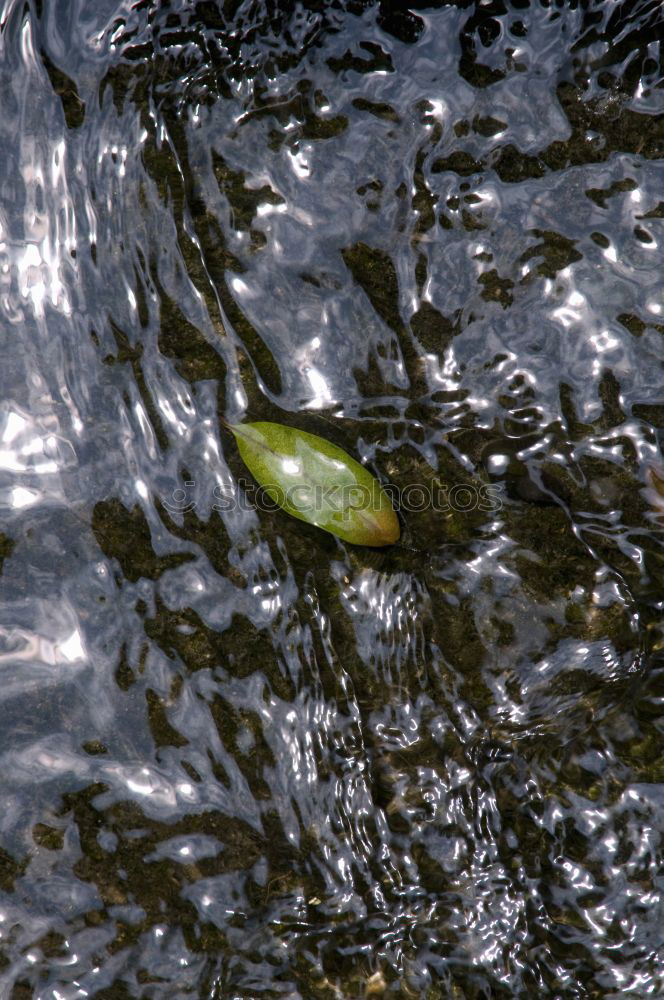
241, 759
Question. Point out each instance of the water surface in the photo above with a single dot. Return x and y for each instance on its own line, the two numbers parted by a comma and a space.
240, 758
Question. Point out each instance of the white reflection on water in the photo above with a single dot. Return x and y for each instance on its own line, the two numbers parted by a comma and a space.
604, 341
241, 287
32, 456
48, 234
300, 163
142, 781
31, 648
322, 395
575, 308
33, 655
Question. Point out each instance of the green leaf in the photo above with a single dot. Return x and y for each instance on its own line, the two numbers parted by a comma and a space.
317, 482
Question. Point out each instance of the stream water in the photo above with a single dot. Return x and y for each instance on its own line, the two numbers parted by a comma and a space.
240, 758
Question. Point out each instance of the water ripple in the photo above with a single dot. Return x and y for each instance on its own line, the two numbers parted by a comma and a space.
242, 759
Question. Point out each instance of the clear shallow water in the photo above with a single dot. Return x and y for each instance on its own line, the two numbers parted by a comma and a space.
239, 758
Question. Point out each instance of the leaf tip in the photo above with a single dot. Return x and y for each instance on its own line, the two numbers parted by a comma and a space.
388, 529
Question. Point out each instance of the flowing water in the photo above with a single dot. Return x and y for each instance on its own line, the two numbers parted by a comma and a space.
241, 759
